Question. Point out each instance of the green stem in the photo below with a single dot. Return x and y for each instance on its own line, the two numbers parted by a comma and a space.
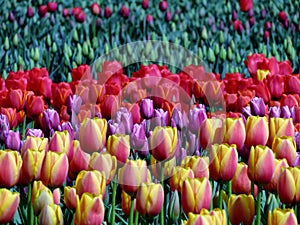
212, 201
131, 211
220, 200
113, 204
229, 188
24, 127
162, 212
30, 214
136, 220
258, 202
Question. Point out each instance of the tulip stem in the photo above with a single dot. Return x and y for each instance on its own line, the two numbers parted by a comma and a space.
162, 174
113, 202
30, 215
229, 189
131, 211
220, 196
136, 219
24, 127
258, 202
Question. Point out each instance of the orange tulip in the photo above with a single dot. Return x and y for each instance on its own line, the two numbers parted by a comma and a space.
261, 164
126, 202
119, 146
257, 131
285, 147
282, 216
241, 209
235, 132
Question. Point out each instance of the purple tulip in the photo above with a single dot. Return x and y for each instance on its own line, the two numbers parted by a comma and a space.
246, 112
258, 107
196, 117
138, 136
192, 145
49, 121
297, 160
160, 118
263, 13
146, 108
297, 140
74, 103
68, 127
4, 126
293, 116
177, 119
13, 140
234, 15
114, 128
124, 118
274, 111
34, 132
285, 112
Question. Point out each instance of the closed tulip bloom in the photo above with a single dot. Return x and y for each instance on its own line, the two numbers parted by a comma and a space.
61, 142
55, 169
119, 146
79, 162
126, 202
282, 216
219, 215
35, 143
163, 142
198, 164
196, 117
192, 197
223, 162
49, 120
146, 108
104, 162
258, 107
41, 197
257, 131
34, 132
9, 202
92, 134
149, 199
241, 209
285, 148
70, 197
241, 184
4, 126
211, 132
174, 206
10, 166
261, 164
235, 132
288, 187
155, 167
34, 106
195, 219
51, 215
89, 210
138, 174
92, 182
13, 140
178, 176
280, 127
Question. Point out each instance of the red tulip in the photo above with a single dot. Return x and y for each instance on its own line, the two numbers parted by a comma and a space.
95, 8
52, 6
246, 5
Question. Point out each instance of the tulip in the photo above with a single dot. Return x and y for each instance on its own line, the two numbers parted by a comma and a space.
11, 115
92, 135
199, 165
95, 8
149, 199
139, 139
178, 176
35, 143
274, 111
55, 169
163, 5
92, 182
280, 164
174, 206
199, 219
10, 166
34, 132
104, 162
211, 132
4, 126
282, 216
168, 166
285, 147
223, 162
160, 118
16, 99
241, 184
145, 4
51, 215
52, 6
61, 142
13, 140
163, 142
68, 127
126, 203
9, 202
241, 209
280, 127
125, 11
89, 210
288, 185
146, 108
107, 12
79, 161
257, 131
192, 197
41, 196
196, 117
235, 132
261, 164
124, 118
138, 174
119, 146
258, 107
30, 12
49, 120
70, 197
34, 106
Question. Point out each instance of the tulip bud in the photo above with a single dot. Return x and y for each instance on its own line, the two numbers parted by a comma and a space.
30, 12
178, 176
261, 164
285, 147
146, 107
174, 206
241, 209
280, 127
192, 197
211, 132
4, 127
235, 132
89, 210
288, 185
258, 107
163, 5
149, 199
41, 196
199, 165
13, 140
95, 8
70, 197
107, 12
274, 112
9, 202
119, 146
257, 131
282, 216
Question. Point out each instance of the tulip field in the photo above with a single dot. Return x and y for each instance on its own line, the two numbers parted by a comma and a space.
150, 112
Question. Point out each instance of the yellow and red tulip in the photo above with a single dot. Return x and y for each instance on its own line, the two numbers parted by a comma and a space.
119, 146
192, 197
285, 147
257, 131
198, 164
241, 209
235, 132
178, 176
163, 142
61, 142
9, 202
35, 143
51, 214
223, 162
126, 202
168, 166
70, 197
205, 219
282, 217
280, 127
211, 132
89, 210
40, 197
149, 199
92, 134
